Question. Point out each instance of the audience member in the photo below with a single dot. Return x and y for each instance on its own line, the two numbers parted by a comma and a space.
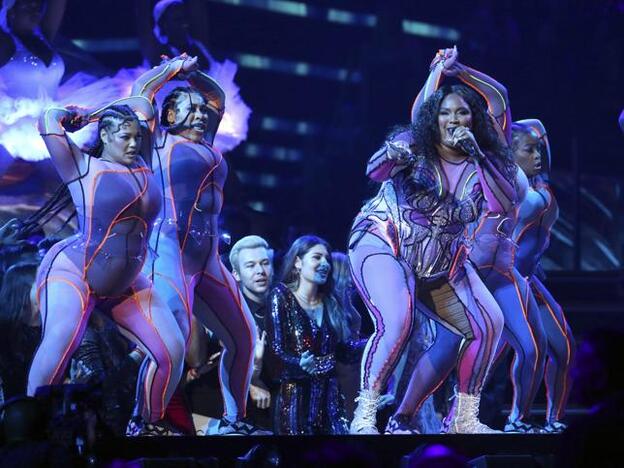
20, 327
309, 331
251, 260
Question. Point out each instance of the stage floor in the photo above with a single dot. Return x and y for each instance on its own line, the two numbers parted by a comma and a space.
511, 450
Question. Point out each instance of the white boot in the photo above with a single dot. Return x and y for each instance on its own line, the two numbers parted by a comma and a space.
365, 414
465, 419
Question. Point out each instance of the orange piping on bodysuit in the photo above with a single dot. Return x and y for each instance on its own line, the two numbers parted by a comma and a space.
563, 333
108, 230
504, 115
149, 320
202, 186
83, 309
525, 313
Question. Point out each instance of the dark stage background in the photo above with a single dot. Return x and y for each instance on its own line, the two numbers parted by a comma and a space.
327, 79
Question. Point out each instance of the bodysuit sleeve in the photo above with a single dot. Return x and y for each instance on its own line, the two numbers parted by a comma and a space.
500, 195
495, 95
214, 94
277, 327
67, 158
148, 84
431, 86
382, 167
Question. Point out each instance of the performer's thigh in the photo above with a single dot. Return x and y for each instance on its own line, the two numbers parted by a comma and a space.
65, 306
226, 313
145, 318
386, 285
483, 308
168, 277
561, 344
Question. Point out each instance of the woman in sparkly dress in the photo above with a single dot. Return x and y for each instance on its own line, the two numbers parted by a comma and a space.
308, 332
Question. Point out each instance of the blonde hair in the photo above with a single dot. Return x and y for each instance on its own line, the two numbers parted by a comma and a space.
248, 242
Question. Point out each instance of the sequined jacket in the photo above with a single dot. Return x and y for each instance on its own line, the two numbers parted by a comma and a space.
306, 403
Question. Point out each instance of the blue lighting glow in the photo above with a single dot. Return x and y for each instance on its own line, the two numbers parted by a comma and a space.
257, 62
262, 179
299, 127
259, 206
120, 44
276, 153
296, 68
333, 15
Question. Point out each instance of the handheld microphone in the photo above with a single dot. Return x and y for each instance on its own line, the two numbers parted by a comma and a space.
468, 147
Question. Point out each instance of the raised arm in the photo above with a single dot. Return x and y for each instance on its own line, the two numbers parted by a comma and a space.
141, 105
68, 159
148, 84
444, 59
211, 90
494, 93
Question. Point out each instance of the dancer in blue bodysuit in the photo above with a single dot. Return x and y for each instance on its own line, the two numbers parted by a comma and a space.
537, 215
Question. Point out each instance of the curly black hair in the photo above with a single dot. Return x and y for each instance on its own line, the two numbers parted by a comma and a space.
426, 132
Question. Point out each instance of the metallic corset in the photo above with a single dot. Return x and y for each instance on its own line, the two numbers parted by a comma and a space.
423, 225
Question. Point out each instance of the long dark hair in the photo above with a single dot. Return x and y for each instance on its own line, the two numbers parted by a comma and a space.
426, 132
61, 198
343, 286
290, 276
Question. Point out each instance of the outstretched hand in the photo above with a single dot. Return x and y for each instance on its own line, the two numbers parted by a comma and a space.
398, 151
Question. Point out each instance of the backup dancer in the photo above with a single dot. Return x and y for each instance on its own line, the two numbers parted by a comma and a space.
411, 234
117, 200
537, 215
191, 174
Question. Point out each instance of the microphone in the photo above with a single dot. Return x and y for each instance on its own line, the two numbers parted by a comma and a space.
468, 147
